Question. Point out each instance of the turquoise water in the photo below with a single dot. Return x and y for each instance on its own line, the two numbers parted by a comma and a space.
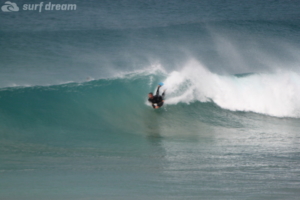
74, 117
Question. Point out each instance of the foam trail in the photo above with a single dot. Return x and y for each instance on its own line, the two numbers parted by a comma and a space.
275, 94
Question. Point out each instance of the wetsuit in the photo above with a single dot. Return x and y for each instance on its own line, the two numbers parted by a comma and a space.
157, 99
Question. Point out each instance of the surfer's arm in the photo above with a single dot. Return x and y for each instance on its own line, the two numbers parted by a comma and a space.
157, 91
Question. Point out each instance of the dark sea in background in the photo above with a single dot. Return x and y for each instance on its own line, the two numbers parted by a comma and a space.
74, 117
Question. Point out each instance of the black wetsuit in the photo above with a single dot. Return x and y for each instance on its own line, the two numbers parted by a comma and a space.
157, 99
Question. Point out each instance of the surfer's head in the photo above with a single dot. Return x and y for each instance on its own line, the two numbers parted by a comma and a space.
150, 95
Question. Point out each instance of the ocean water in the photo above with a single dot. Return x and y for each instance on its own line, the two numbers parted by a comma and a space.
74, 117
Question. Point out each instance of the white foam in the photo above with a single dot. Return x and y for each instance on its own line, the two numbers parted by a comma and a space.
276, 94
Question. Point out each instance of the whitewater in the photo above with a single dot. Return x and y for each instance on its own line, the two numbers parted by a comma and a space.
275, 94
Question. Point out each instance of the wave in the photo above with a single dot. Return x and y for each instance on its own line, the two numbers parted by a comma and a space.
113, 109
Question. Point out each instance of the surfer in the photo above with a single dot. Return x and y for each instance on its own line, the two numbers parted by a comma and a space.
157, 100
